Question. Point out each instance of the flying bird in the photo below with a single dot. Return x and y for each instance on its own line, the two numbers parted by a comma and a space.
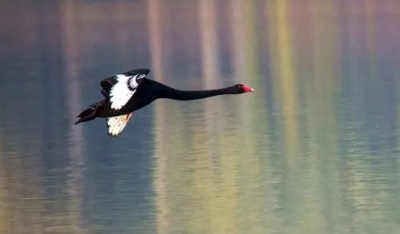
130, 91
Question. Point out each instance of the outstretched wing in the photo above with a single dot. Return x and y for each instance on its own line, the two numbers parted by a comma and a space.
119, 89
117, 124
122, 91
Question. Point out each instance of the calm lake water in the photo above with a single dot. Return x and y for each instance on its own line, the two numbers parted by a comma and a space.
314, 150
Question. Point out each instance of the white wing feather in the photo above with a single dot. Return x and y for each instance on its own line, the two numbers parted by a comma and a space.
120, 93
117, 124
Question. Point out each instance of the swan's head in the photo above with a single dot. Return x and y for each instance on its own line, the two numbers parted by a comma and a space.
243, 88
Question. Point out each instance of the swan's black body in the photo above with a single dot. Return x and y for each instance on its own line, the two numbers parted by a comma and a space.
146, 92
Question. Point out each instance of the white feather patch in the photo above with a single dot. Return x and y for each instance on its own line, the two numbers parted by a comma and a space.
117, 124
120, 93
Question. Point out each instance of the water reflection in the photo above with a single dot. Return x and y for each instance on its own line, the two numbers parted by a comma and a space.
314, 150
76, 145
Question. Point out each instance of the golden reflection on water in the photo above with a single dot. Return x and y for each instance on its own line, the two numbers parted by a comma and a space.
235, 184
202, 185
4, 199
19, 190
320, 127
283, 72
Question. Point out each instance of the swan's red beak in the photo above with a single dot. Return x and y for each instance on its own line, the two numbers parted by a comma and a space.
247, 89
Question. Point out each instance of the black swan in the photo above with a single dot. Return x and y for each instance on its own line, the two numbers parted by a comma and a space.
129, 91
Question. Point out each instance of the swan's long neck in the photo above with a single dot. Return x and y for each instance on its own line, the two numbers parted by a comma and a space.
184, 95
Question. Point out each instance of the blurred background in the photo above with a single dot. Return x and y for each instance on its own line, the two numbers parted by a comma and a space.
314, 150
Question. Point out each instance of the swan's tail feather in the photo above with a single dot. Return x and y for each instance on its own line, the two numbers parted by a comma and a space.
87, 115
